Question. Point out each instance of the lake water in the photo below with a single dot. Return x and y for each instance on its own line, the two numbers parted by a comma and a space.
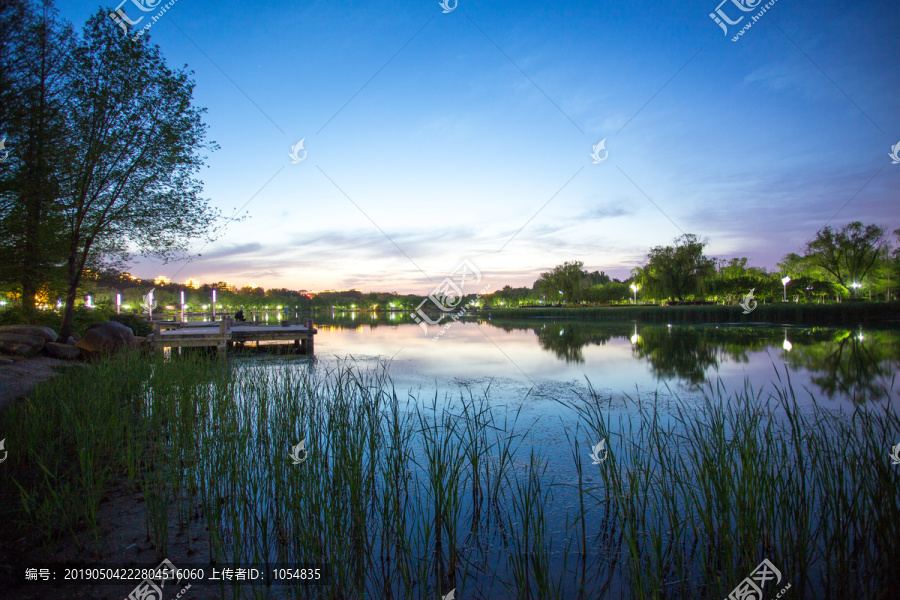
840, 368
534, 372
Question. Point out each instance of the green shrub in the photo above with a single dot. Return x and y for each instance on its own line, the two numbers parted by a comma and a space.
82, 318
138, 324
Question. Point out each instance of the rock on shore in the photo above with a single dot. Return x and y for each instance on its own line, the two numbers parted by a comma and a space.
105, 338
62, 351
21, 344
33, 330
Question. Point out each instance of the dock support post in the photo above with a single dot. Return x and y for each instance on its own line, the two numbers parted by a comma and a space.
222, 346
311, 339
156, 337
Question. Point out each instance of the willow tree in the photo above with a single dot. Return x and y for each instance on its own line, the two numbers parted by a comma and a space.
848, 254
564, 280
680, 270
136, 144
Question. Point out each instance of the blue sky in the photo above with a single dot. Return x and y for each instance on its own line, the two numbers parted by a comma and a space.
436, 137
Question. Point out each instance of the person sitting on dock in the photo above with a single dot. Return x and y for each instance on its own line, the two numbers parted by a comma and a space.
239, 315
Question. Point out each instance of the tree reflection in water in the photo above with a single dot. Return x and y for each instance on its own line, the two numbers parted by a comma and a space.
856, 365
841, 363
683, 352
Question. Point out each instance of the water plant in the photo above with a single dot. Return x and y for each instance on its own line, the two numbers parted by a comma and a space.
410, 499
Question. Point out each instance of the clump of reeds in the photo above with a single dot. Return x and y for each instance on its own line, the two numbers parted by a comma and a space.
410, 500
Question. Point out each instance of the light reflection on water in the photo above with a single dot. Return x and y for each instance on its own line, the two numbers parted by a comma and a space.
837, 366
533, 364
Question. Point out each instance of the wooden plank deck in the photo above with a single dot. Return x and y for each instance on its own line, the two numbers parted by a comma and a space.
223, 334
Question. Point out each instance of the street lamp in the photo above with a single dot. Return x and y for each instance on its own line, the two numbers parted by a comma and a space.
118, 303
214, 304
855, 287
634, 289
182, 306
785, 280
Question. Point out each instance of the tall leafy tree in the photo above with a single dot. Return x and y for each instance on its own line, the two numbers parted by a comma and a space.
847, 255
566, 278
35, 72
680, 270
136, 144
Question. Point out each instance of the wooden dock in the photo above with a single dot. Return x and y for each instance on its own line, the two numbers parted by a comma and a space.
227, 332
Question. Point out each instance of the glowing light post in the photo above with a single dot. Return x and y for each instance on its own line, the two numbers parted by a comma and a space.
214, 304
150, 304
90, 302
855, 287
785, 280
634, 289
182, 306
118, 303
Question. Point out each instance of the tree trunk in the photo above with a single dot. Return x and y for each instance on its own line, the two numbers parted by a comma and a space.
73, 280
65, 329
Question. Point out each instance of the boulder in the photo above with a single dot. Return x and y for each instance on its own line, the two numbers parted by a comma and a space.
32, 330
63, 351
73, 339
26, 345
105, 338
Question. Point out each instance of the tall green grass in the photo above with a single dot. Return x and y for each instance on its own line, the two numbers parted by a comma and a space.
410, 499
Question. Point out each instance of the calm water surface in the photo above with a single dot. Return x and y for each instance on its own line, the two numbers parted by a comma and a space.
840, 368
532, 368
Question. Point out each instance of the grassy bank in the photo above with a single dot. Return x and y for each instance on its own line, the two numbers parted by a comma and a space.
410, 498
847, 314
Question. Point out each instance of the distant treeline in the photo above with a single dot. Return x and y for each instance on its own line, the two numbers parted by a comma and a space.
847, 314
